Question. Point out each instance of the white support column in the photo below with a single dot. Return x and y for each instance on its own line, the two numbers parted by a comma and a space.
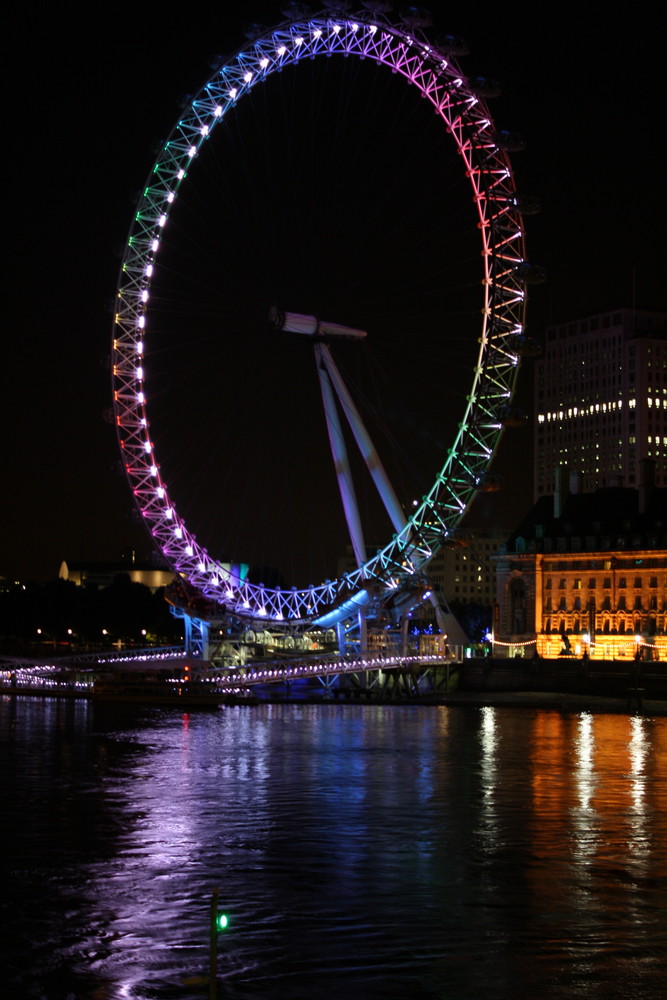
364, 443
363, 633
439, 612
340, 635
341, 462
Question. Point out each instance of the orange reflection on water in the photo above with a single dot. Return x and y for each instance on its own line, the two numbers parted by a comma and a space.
599, 823
593, 778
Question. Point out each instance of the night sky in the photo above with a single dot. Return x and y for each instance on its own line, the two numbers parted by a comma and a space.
86, 107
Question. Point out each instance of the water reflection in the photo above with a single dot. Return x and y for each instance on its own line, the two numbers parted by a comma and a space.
637, 752
363, 850
583, 814
488, 830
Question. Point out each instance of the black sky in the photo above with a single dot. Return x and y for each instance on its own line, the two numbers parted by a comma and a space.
85, 107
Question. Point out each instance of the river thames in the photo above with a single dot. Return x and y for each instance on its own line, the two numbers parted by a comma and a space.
360, 851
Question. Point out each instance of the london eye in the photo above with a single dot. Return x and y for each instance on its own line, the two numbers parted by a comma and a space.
427, 69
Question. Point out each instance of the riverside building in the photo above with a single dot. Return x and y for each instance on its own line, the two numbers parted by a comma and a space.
585, 574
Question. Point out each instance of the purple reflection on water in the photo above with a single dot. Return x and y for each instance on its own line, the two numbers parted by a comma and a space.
363, 851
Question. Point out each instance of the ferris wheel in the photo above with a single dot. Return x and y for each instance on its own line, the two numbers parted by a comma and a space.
400, 47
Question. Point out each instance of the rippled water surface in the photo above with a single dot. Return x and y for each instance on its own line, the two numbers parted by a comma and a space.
360, 851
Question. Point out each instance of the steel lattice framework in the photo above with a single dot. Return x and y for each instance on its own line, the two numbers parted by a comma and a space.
465, 115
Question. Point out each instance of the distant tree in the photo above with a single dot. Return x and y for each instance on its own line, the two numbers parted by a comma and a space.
474, 619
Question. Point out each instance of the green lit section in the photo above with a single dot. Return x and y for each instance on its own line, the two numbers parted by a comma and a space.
221, 921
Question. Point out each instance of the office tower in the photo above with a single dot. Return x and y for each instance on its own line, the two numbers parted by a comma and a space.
601, 400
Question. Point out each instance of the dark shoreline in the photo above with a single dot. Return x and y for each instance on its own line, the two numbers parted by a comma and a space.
547, 700
559, 701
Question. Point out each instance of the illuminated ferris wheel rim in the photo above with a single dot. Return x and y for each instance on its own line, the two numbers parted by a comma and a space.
466, 117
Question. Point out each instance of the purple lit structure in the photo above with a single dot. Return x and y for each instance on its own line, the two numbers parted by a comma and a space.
431, 68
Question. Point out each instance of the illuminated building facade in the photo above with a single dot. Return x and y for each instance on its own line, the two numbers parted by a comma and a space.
601, 400
586, 574
96, 576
